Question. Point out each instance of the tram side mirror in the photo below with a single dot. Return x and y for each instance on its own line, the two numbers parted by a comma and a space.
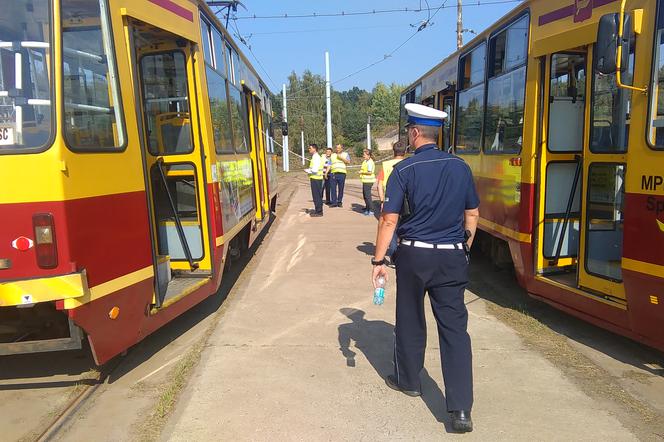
606, 49
284, 129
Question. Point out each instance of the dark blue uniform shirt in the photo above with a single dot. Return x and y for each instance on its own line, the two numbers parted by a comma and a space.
440, 188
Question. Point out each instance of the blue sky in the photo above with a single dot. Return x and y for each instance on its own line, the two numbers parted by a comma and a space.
296, 44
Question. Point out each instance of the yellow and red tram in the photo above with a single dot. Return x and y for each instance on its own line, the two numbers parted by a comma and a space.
135, 158
557, 108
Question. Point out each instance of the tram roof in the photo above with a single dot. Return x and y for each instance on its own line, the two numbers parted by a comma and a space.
210, 15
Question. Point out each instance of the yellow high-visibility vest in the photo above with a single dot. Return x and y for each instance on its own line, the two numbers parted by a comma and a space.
338, 165
368, 172
316, 174
388, 167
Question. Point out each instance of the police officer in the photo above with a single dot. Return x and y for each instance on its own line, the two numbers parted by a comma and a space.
436, 196
315, 172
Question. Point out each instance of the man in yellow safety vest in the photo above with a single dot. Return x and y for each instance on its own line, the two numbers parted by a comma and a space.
340, 160
368, 178
315, 172
399, 150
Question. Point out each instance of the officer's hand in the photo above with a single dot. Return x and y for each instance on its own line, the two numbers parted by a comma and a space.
376, 273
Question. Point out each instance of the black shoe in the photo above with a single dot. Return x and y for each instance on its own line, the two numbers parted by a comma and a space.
315, 214
340, 205
461, 421
392, 383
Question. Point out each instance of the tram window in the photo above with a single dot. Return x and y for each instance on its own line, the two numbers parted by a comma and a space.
604, 241
231, 65
470, 107
656, 120
25, 127
503, 131
166, 103
612, 107
239, 117
471, 67
221, 118
219, 58
237, 68
207, 46
93, 112
448, 108
181, 190
567, 102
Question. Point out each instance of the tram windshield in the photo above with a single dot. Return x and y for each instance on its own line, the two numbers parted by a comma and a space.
25, 75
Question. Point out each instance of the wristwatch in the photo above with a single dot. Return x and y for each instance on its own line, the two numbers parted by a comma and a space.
377, 263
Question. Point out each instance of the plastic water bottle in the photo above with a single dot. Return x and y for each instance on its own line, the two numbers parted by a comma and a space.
379, 292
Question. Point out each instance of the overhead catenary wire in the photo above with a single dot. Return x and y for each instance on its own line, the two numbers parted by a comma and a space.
425, 24
475, 3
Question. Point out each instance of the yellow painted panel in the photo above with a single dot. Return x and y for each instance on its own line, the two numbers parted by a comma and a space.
101, 290
33, 291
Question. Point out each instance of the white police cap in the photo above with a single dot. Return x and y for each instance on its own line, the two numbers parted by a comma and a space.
421, 115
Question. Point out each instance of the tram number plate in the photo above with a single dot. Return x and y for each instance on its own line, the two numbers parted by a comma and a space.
6, 136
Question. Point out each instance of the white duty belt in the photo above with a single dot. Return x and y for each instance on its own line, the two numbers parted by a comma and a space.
424, 245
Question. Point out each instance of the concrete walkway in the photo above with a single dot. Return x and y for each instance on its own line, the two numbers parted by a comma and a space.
301, 354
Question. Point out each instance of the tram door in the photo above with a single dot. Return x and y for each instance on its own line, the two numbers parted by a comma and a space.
582, 172
561, 168
166, 90
258, 155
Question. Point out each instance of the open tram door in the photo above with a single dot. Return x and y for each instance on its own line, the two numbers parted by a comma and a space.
166, 91
579, 215
258, 156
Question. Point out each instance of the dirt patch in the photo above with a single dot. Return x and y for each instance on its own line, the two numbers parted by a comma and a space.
167, 395
509, 303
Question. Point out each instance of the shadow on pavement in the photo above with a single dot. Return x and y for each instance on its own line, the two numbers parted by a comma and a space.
375, 339
501, 287
367, 248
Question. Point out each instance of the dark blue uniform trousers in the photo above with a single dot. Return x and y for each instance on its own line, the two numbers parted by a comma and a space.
444, 275
337, 188
317, 194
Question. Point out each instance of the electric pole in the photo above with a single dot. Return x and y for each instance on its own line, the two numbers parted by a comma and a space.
459, 25
369, 132
285, 146
327, 99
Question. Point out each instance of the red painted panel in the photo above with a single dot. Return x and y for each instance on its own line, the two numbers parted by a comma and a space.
174, 8
644, 237
106, 235
109, 337
646, 318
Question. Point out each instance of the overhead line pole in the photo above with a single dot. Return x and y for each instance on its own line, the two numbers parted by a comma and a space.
327, 99
459, 25
285, 146
369, 132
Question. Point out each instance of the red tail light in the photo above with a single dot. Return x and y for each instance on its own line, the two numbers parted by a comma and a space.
45, 245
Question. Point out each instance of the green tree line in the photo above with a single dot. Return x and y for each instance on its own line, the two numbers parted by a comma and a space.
350, 111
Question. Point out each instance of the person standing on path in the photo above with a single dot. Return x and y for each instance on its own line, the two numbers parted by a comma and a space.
368, 178
315, 172
435, 194
327, 168
399, 150
340, 160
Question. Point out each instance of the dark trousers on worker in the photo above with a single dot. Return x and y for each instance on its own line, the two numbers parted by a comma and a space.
326, 187
444, 275
366, 193
337, 188
317, 194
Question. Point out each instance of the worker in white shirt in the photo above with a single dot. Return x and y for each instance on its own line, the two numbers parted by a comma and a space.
315, 172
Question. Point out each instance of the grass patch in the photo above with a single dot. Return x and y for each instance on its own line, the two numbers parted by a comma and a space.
593, 380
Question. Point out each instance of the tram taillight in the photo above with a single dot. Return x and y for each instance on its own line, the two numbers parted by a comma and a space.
45, 245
